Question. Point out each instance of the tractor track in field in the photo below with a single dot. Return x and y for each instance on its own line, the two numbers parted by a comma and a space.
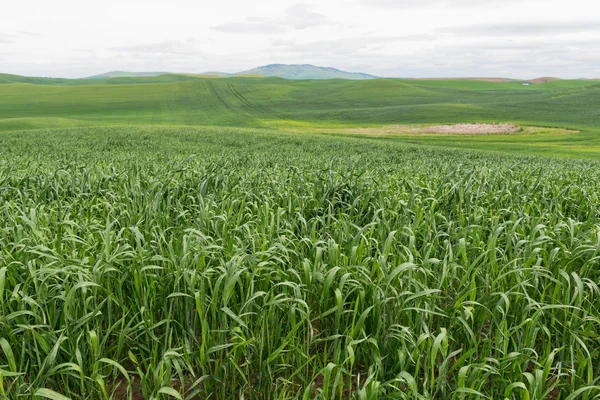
242, 99
229, 107
573, 92
208, 105
214, 92
262, 110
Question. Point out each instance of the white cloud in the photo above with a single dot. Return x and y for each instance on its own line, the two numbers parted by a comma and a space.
515, 38
165, 48
7, 39
548, 28
298, 16
431, 3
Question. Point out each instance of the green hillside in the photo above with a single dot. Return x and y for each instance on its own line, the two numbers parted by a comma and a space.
9, 78
193, 100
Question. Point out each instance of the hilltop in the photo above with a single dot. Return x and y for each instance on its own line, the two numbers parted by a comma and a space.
544, 79
10, 78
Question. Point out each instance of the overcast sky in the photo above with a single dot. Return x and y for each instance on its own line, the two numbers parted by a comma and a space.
400, 38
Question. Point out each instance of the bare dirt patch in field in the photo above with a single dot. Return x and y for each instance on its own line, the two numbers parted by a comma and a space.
454, 129
466, 129
457, 129
474, 129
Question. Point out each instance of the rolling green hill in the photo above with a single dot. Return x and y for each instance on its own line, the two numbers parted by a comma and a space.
9, 78
275, 103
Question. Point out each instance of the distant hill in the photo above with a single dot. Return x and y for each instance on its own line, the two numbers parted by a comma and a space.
215, 73
496, 80
287, 71
544, 79
100, 80
304, 71
125, 74
291, 71
9, 78
482, 79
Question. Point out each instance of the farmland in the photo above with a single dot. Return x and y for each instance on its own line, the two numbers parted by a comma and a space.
179, 237
274, 103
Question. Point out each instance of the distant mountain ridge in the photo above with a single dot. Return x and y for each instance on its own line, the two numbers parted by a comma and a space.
305, 71
287, 71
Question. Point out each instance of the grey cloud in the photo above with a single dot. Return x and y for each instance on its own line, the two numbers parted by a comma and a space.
6, 38
185, 49
396, 3
408, 4
503, 58
30, 33
330, 47
249, 27
553, 29
520, 61
417, 37
280, 42
348, 45
298, 16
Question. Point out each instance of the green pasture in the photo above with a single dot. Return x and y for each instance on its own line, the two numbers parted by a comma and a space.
186, 100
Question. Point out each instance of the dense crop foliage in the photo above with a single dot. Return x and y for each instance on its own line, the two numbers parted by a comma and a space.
221, 263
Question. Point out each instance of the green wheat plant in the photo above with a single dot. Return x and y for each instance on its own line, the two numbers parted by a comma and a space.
232, 264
